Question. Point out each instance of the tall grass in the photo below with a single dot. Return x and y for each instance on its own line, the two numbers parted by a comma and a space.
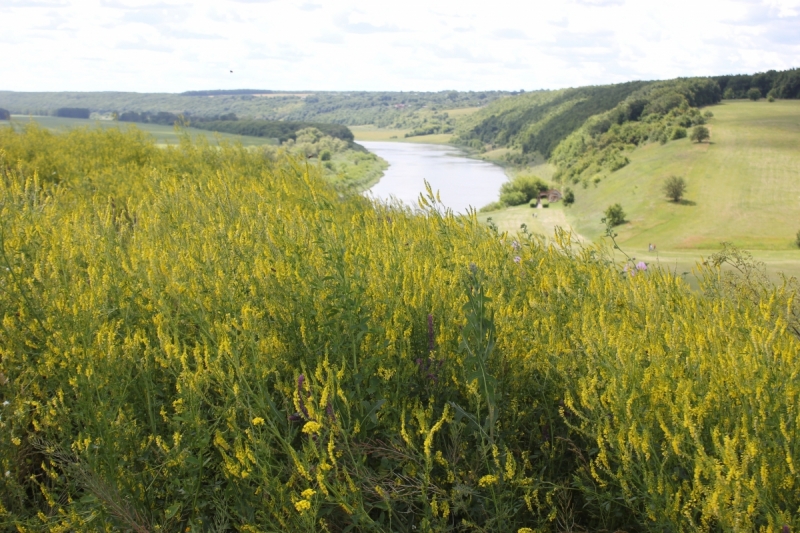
205, 339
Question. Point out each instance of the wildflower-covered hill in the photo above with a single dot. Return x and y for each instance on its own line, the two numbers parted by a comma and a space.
208, 339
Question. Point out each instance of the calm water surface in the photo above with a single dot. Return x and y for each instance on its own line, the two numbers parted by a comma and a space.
461, 182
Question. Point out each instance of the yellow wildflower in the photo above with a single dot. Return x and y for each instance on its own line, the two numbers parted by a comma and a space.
308, 493
257, 421
302, 506
312, 428
488, 481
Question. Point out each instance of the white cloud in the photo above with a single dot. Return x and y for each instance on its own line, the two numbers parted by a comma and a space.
415, 45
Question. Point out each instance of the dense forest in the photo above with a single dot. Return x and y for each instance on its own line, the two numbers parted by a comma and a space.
783, 84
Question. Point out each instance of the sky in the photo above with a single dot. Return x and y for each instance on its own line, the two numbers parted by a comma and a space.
413, 45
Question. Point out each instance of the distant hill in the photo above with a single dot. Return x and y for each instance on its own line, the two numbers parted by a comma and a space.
380, 108
226, 92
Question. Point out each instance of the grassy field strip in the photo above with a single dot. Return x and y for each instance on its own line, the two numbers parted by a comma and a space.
163, 134
372, 133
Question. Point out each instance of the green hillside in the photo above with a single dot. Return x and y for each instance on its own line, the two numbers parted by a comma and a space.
743, 186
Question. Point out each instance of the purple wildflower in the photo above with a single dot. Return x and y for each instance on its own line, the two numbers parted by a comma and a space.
641, 265
517, 259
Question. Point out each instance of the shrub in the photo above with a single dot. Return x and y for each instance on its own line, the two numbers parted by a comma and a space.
674, 187
770, 99
494, 206
325, 155
513, 198
534, 202
708, 114
700, 134
614, 215
678, 133
569, 197
4, 114
754, 94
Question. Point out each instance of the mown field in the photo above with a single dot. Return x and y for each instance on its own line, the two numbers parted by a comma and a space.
203, 338
742, 188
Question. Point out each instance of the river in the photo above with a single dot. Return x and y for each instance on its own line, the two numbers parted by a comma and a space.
461, 182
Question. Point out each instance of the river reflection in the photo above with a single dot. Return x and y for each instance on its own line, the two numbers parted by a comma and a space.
461, 182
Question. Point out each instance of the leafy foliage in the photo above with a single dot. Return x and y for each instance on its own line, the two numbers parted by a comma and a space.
781, 84
700, 134
675, 187
754, 94
614, 215
214, 338
521, 190
281, 130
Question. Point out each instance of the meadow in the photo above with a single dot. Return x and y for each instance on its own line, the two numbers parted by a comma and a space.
211, 338
162, 134
742, 189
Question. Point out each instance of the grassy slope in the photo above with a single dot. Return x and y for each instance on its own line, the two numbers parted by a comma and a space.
742, 188
162, 134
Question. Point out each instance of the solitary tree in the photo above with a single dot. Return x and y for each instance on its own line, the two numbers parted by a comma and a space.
700, 134
569, 197
674, 187
614, 215
4, 114
754, 94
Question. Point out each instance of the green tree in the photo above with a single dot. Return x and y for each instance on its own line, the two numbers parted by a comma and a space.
4, 114
675, 187
678, 133
569, 197
754, 94
614, 215
700, 134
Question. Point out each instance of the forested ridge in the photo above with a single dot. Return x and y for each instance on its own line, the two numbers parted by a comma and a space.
385, 109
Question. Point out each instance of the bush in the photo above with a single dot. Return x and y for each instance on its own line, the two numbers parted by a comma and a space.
325, 155
700, 134
770, 99
4, 114
522, 189
754, 94
708, 114
534, 202
674, 187
678, 133
569, 197
513, 198
494, 206
614, 215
